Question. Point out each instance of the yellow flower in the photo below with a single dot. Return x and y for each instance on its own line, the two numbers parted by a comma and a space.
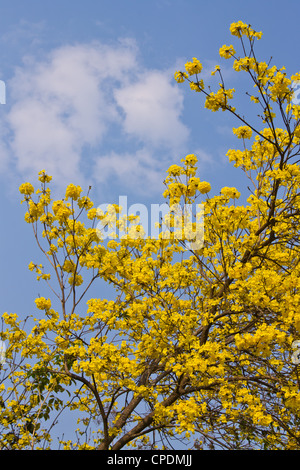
215, 101
226, 51
92, 213
281, 88
180, 76
190, 159
232, 193
193, 67
73, 191
31, 266
26, 188
85, 202
46, 277
242, 132
44, 178
204, 187
246, 63
174, 170
35, 210
69, 266
42, 303
217, 69
60, 209
255, 99
239, 29
75, 279
197, 86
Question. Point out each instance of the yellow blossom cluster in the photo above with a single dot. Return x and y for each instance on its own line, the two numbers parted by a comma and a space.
227, 51
194, 343
240, 29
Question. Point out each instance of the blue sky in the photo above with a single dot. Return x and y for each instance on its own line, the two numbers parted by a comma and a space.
90, 97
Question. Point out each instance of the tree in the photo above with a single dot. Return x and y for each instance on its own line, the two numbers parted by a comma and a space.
198, 342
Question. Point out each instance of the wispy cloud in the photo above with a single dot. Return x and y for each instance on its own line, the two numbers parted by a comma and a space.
139, 171
67, 109
152, 108
60, 106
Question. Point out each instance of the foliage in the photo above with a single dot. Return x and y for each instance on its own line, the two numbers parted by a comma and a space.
197, 343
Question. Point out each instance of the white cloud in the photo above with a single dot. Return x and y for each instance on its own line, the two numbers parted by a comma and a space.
59, 106
152, 108
67, 108
138, 170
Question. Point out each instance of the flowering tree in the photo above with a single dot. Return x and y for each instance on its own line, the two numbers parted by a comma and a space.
198, 342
